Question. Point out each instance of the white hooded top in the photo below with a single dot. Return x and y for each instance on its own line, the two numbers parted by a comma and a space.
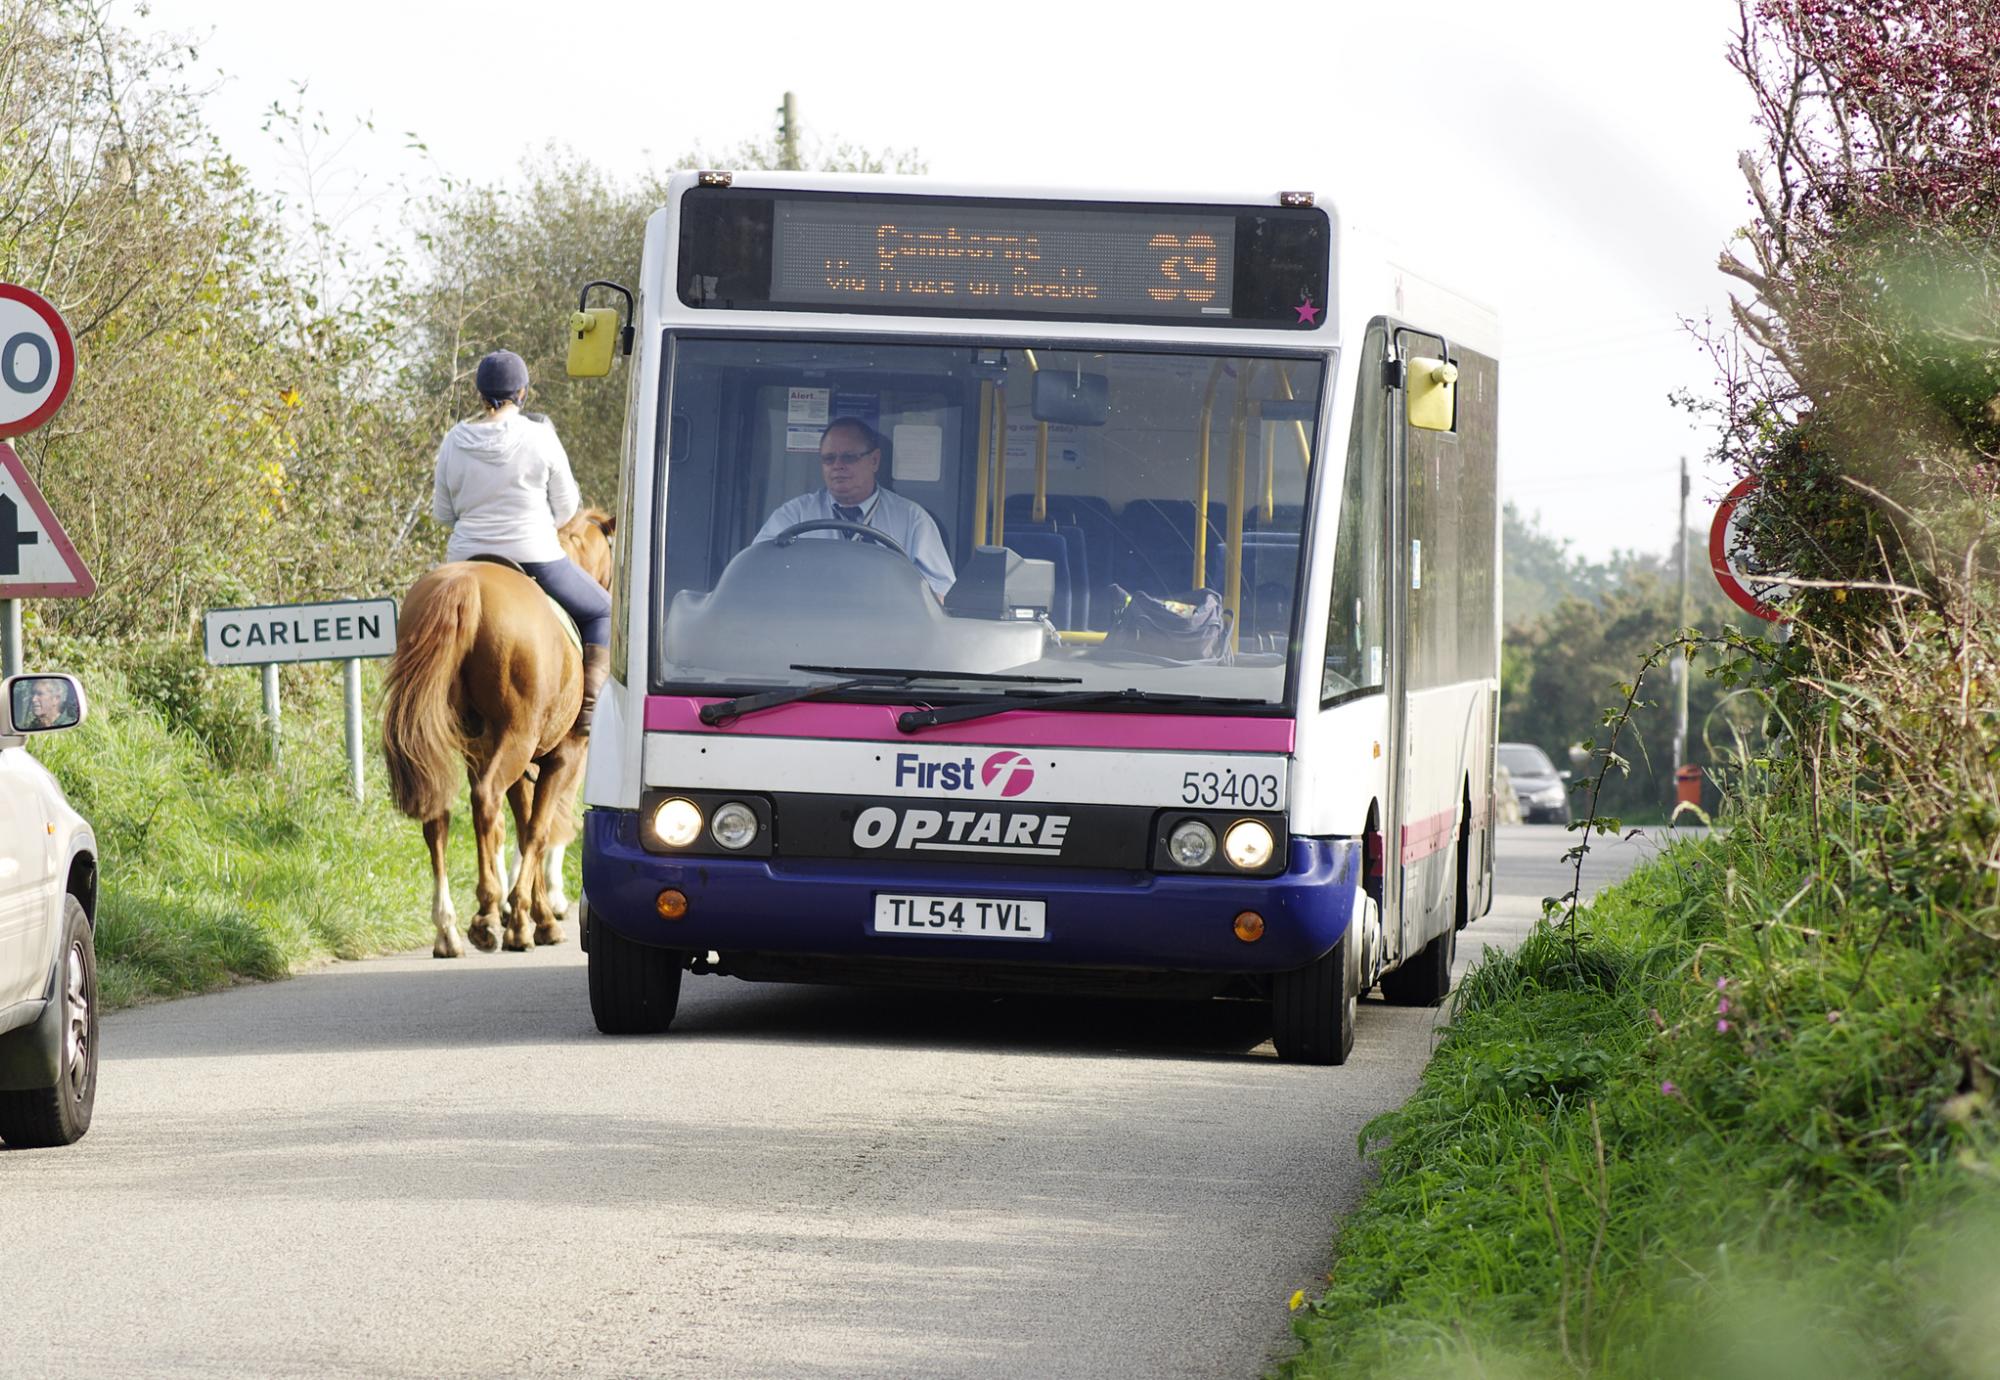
503, 487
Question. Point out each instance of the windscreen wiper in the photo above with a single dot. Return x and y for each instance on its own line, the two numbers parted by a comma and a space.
913, 720
896, 673
726, 711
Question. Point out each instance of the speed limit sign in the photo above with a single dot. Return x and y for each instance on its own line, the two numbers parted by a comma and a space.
1744, 578
37, 360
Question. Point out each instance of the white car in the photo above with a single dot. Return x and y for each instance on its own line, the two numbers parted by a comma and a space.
48, 908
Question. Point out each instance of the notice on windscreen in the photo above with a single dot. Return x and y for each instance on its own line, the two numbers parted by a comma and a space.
806, 417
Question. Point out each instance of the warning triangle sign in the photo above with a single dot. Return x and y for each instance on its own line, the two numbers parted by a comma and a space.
37, 560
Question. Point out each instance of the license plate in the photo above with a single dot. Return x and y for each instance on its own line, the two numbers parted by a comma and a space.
980, 916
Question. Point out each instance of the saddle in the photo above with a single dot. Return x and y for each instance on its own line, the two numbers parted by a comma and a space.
563, 620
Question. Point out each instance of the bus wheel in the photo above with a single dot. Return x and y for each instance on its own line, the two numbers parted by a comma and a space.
1425, 977
1313, 1008
634, 988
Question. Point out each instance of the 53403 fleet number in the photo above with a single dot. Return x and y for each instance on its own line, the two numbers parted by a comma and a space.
1246, 790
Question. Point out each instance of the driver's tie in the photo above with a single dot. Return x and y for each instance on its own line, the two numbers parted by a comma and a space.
846, 514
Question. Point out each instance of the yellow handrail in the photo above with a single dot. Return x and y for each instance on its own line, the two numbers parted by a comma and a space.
1201, 479
1041, 452
1232, 589
1270, 468
985, 438
999, 464
1305, 445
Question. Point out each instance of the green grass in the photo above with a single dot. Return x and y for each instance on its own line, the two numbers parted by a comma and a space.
216, 867
1598, 1177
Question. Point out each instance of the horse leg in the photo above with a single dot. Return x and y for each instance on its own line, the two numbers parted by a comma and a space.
560, 771
553, 871
489, 782
521, 801
498, 777
443, 916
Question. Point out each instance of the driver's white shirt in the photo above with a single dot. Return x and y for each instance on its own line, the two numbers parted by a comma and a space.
890, 514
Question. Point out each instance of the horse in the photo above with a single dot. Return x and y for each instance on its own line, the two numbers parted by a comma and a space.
485, 674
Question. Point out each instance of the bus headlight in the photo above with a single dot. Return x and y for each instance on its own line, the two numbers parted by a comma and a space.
1248, 844
1191, 844
677, 822
734, 825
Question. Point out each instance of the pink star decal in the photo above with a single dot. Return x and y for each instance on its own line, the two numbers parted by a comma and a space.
1308, 313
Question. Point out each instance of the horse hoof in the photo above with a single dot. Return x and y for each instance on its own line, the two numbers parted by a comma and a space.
518, 944
483, 938
444, 950
548, 934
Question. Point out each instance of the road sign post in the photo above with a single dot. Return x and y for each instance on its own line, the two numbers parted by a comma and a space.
346, 630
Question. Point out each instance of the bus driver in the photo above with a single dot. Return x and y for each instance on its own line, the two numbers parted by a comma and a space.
850, 454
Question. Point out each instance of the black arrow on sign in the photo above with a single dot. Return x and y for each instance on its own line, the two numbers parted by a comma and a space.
13, 537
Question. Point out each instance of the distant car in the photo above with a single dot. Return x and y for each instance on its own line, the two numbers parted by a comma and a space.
1541, 789
48, 952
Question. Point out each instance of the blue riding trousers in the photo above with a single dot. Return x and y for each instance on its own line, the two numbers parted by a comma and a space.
582, 598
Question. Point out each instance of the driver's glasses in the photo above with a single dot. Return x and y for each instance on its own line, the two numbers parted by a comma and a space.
845, 457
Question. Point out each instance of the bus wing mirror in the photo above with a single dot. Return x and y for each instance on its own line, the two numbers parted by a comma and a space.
593, 338
594, 333
1077, 399
1431, 392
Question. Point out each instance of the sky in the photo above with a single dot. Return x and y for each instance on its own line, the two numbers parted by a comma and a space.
1572, 166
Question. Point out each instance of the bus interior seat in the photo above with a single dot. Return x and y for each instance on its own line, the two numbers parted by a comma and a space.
1044, 544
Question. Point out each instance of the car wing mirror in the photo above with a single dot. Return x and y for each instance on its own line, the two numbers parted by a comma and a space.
41, 704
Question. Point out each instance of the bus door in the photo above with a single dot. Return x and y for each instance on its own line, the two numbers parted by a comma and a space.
1426, 721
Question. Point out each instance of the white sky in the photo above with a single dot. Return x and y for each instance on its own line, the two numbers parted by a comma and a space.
1571, 165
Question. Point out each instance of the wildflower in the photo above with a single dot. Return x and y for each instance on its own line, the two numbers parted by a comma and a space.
1722, 1027
1722, 1006
1722, 984
1833, 1018
1298, 1300
1668, 1088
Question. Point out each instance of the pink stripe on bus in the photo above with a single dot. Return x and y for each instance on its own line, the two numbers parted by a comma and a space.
1017, 728
1423, 837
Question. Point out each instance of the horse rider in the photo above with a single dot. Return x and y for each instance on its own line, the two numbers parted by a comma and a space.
503, 485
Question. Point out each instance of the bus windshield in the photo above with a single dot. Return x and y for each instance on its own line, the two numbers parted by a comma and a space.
1004, 519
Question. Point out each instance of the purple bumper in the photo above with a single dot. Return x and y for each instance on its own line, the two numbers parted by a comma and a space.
1096, 919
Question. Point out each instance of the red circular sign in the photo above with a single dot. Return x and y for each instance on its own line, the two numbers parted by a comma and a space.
1734, 564
37, 360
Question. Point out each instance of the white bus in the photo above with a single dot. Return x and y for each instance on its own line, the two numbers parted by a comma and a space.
1132, 628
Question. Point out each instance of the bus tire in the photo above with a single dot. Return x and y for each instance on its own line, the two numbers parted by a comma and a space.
1313, 1008
1424, 979
634, 988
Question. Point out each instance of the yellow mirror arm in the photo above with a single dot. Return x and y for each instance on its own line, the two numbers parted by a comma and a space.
1239, 444
1041, 453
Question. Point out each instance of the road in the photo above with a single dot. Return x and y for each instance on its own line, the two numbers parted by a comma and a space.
404, 1167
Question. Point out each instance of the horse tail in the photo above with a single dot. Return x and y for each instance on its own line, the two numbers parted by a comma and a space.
422, 740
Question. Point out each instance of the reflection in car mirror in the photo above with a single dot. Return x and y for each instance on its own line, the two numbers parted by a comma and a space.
38, 704
1077, 399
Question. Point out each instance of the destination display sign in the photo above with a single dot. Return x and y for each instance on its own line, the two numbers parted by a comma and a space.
815, 251
1119, 263
341, 630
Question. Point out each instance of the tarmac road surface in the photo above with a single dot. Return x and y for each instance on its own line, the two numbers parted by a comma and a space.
406, 1167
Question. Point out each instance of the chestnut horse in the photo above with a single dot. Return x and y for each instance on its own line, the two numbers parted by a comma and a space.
484, 674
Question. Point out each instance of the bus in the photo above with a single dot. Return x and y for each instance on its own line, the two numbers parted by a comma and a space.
1154, 649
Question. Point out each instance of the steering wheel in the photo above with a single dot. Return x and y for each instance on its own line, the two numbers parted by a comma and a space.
857, 529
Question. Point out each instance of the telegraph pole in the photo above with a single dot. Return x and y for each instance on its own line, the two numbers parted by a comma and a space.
1681, 666
788, 134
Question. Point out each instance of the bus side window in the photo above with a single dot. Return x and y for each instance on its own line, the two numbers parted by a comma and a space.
1355, 644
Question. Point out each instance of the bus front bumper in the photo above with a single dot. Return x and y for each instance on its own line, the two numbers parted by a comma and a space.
1138, 921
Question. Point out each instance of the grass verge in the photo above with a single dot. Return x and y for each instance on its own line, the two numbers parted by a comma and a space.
216, 867
1742, 1127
